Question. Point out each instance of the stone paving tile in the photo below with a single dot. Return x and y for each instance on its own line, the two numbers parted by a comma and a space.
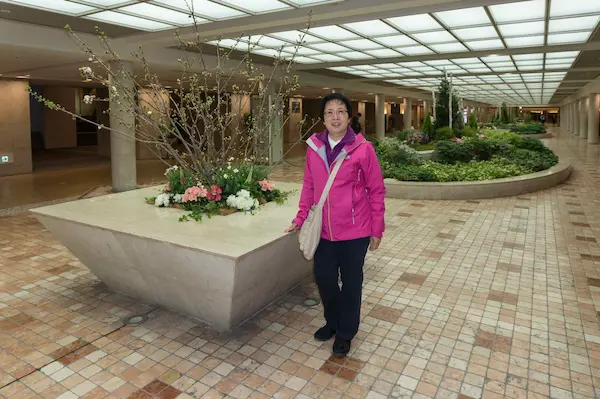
465, 299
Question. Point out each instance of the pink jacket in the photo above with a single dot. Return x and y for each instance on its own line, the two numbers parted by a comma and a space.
355, 207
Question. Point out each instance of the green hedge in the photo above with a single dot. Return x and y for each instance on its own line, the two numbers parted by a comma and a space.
528, 128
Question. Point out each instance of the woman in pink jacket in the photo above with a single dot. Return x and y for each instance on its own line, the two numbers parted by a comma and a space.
352, 217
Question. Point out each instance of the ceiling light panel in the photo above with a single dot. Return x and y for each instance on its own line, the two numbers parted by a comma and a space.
572, 24
306, 60
203, 8
521, 11
522, 29
162, 14
528, 41
483, 32
259, 6
434, 37
361, 44
415, 50
101, 3
355, 55
330, 47
60, 6
463, 17
116, 18
568, 38
333, 32
560, 8
328, 58
371, 28
396, 41
265, 41
563, 54
415, 23
449, 48
300, 50
485, 44
383, 53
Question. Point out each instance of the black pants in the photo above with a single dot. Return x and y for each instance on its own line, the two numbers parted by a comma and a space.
342, 307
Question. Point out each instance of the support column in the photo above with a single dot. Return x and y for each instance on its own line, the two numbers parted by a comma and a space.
122, 120
571, 124
362, 110
583, 118
380, 116
272, 138
576, 118
594, 105
407, 113
425, 109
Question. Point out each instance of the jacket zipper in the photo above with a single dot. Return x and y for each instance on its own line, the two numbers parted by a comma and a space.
329, 219
353, 220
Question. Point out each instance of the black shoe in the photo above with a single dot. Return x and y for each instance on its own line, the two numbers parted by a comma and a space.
341, 347
324, 333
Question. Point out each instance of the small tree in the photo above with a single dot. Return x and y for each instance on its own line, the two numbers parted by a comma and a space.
504, 116
442, 110
473, 121
428, 126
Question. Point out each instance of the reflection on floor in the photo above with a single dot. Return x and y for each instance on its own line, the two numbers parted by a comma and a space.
65, 158
472, 299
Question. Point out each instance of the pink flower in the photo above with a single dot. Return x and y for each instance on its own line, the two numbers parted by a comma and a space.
265, 185
214, 194
194, 193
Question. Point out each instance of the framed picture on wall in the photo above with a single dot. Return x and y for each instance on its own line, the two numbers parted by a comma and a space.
295, 107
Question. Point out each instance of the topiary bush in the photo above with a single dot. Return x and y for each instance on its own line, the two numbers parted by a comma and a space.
444, 133
393, 152
528, 128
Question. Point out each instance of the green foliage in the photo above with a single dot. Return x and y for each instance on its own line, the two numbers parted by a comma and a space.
504, 115
528, 128
407, 172
449, 152
472, 123
428, 126
391, 151
469, 132
533, 161
444, 133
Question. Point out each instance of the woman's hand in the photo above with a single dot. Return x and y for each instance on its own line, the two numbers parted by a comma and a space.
293, 227
375, 241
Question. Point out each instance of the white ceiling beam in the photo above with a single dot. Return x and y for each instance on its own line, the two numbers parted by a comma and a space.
322, 15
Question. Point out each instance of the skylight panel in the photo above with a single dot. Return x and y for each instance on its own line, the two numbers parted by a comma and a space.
566, 38
355, 55
267, 52
300, 50
528, 41
203, 8
559, 8
163, 14
485, 44
371, 28
465, 61
340, 69
415, 50
464, 17
383, 53
562, 54
396, 41
534, 56
415, 23
333, 32
449, 48
560, 66
483, 32
259, 6
361, 44
522, 29
266, 41
556, 61
101, 3
112, 17
521, 11
61, 6
571, 24
500, 64
306, 60
434, 37
329, 47
439, 62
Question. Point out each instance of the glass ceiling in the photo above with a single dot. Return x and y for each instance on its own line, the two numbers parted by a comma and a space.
526, 78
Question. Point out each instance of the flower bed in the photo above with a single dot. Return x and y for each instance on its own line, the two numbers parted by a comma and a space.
237, 187
483, 157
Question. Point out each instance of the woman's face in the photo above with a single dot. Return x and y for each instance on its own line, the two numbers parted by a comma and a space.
336, 117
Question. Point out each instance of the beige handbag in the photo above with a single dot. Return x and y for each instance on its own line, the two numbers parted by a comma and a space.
310, 233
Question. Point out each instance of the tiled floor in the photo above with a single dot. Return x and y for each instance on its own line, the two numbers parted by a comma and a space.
492, 298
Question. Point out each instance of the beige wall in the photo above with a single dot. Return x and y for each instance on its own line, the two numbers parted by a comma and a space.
159, 105
15, 131
60, 129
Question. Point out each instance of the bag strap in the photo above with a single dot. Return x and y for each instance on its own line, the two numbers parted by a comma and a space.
332, 175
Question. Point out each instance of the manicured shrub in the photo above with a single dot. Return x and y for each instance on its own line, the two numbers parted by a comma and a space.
444, 133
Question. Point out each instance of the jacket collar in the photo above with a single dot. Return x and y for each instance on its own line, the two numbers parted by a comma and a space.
316, 142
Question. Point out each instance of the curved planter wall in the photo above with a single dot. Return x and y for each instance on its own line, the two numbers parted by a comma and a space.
506, 187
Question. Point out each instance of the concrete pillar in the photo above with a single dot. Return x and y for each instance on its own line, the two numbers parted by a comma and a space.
576, 117
594, 105
583, 118
272, 141
15, 131
380, 116
570, 113
425, 109
407, 113
122, 121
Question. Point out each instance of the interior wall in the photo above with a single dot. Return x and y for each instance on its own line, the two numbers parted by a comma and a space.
36, 111
296, 113
60, 129
15, 127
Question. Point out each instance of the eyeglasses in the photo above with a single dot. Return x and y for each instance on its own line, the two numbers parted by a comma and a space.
331, 114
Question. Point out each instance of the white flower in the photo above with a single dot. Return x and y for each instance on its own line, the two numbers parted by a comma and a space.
225, 176
162, 200
242, 201
173, 168
229, 167
177, 198
231, 159
235, 171
89, 99
86, 70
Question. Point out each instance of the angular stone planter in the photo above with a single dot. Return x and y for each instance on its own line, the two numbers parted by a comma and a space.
221, 271
506, 187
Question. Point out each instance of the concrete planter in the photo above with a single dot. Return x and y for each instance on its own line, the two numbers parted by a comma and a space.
507, 187
221, 271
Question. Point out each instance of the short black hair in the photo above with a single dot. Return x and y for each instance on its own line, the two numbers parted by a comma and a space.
336, 97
